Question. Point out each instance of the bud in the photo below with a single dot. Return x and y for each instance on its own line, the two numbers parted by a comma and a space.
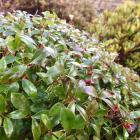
89, 82
116, 108
30, 65
130, 127
25, 77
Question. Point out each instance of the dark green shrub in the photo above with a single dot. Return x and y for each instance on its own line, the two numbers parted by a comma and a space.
57, 84
120, 32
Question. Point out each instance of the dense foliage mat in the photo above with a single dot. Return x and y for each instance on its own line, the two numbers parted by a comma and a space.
120, 32
57, 84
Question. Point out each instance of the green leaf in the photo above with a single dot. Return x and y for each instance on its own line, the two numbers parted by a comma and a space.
48, 122
100, 112
28, 41
73, 71
10, 41
18, 114
134, 114
0, 121
97, 129
82, 112
63, 137
43, 76
10, 59
38, 56
50, 52
36, 131
60, 134
54, 71
39, 113
17, 41
79, 123
67, 119
17, 71
71, 137
135, 94
8, 127
49, 137
14, 87
44, 119
2, 104
2, 41
13, 74
19, 101
13, 43
96, 138
3, 65
60, 90
125, 133
3, 88
55, 109
29, 88
72, 106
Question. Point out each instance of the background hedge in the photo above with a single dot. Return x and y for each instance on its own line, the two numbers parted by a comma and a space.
77, 12
120, 32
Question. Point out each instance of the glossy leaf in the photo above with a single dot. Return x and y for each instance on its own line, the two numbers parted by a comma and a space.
8, 127
134, 114
18, 114
2, 104
55, 110
3, 65
29, 88
28, 41
36, 130
19, 101
82, 112
67, 119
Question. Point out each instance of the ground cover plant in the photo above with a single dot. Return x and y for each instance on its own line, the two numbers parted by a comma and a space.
56, 83
120, 32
